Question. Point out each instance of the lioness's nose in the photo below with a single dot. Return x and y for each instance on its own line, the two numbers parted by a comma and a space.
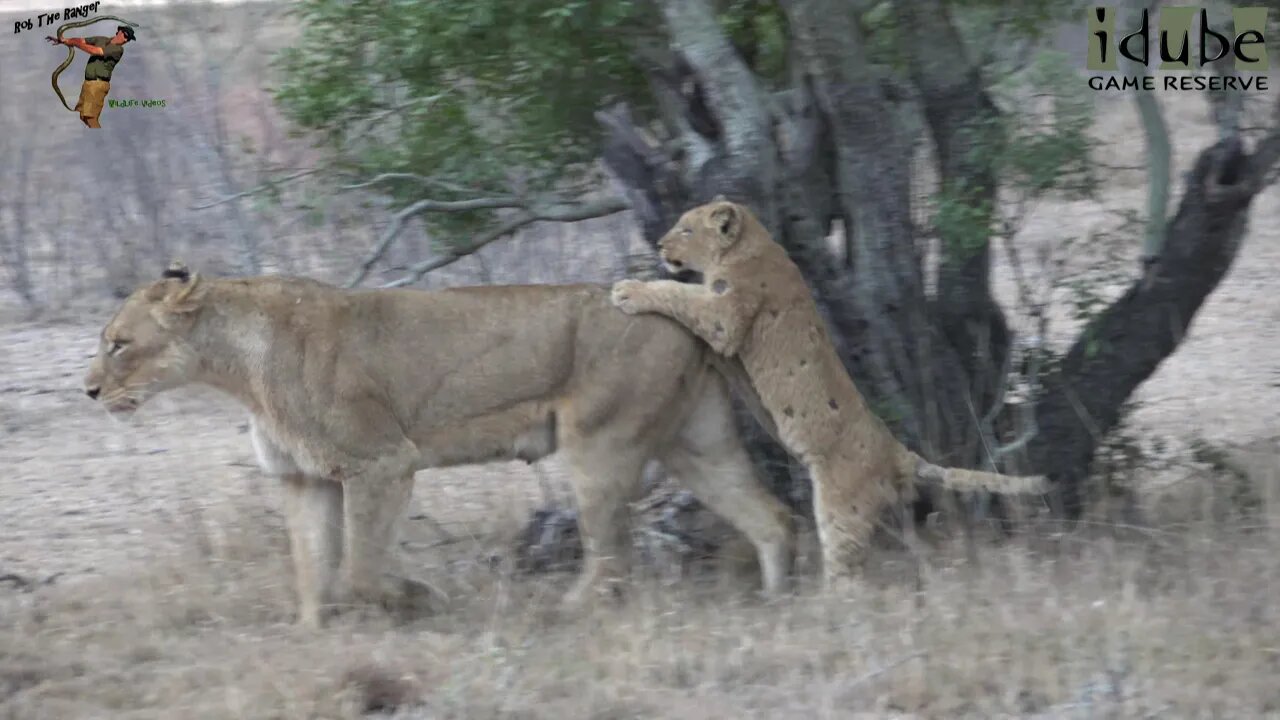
92, 392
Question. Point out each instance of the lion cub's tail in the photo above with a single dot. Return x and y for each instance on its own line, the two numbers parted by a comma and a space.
974, 480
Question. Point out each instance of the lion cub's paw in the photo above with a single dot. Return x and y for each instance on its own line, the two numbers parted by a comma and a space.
626, 295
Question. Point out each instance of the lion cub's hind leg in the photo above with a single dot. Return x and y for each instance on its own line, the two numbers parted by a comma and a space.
845, 505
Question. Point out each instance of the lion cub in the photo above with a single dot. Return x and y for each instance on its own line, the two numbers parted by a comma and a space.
754, 304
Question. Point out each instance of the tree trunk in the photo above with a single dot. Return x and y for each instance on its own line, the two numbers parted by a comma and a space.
835, 144
967, 134
1124, 345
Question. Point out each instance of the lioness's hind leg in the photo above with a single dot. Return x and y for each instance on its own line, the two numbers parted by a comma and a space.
605, 479
313, 511
732, 491
710, 460
372, 509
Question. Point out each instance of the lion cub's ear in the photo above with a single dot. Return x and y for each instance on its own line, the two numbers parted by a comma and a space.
725, 220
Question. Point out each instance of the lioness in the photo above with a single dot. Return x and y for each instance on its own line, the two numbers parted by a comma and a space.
754, 304
350, 392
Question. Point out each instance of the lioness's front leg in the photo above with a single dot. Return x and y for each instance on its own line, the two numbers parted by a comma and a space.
721, 320
313, 513
313, 516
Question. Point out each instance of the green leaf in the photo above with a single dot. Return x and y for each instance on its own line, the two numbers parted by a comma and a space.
464, 91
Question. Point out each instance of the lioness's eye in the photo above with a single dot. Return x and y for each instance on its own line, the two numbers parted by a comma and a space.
115, 347
686, 231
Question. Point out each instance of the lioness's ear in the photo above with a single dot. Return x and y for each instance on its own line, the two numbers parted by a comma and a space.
177, 270
183, 295
726, 220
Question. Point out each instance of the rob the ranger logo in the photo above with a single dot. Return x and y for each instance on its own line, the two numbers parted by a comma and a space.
1244, 45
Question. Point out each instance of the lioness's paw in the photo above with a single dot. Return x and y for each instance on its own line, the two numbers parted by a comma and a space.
626, 295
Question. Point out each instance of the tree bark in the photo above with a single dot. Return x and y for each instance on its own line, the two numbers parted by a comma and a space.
966, 128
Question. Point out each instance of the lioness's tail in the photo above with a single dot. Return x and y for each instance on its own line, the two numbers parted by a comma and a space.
973, 480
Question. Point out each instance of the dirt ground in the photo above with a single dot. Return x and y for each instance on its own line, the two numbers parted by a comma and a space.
143, 575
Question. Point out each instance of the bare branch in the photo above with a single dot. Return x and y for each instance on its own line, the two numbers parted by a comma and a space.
423, 179
417, 271
366, 125
451, 206
587, 211
422, 206
256, 190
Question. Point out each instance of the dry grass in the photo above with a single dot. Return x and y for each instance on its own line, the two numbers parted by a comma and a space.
1176, 620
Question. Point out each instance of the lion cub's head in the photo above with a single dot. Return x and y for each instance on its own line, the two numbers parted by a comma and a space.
144, 349
704, 234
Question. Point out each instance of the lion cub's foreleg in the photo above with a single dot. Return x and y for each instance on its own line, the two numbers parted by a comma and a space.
720, 319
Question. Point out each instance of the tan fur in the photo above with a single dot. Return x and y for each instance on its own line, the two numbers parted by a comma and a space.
350, 392
754, 305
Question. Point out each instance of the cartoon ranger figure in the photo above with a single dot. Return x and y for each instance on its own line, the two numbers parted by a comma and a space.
104, 54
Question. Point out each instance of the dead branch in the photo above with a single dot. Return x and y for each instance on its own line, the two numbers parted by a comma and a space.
400, 218
586, 211
254, 191
423, 179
